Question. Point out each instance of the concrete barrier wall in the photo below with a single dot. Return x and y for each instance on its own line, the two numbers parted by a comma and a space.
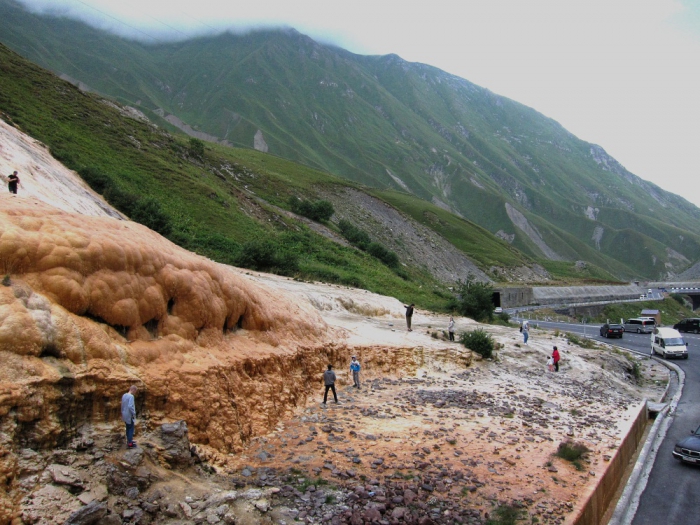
598, 502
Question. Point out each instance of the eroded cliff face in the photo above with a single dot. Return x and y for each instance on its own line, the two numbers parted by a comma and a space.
91, 305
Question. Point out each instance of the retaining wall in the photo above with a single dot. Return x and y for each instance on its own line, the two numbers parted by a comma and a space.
602, 496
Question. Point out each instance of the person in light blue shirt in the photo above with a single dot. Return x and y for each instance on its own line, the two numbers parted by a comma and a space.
129, 415
355, 367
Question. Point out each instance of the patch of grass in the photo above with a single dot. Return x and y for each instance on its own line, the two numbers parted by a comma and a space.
505, 515
301, 487
571, 451
635, 368
583, 342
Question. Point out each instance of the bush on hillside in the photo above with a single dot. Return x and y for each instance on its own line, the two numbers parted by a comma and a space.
479, 341
386, 256
97, 180
148, 212
195, 149
144, 210
474, 299
360, 239
319, 211
267, 255
354, 235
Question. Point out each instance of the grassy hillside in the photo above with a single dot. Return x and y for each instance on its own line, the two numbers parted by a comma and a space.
390, 124
228, 204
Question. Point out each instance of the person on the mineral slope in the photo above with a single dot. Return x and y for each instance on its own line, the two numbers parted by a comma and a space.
451, 328
355, 368
409, 315
556, 357
13, 182
329, 381
129, 415
526, 331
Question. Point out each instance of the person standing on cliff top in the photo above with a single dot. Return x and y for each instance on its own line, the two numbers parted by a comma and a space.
409, 315
13, 182
129, 415
556, 358
355, 368
525, 329
329, 381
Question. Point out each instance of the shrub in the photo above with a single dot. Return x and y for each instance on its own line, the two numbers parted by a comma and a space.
97, 180
635, 369
380, 252
354, 235
474, 299
196, 148
479, 341
318, 211
148, 212
571, 451
267, 255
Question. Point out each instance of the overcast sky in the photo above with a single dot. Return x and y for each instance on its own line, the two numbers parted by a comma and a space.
624, 74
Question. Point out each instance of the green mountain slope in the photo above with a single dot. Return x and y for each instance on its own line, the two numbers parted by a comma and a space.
231, 204
387, 123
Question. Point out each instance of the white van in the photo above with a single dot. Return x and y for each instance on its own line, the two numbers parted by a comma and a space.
669, 343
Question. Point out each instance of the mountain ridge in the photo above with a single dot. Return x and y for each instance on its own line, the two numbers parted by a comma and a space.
388, 123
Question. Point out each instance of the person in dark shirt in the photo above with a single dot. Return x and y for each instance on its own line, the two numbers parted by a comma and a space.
329, 381
409, 315
13, 182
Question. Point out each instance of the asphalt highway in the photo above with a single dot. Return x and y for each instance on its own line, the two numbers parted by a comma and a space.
672, 494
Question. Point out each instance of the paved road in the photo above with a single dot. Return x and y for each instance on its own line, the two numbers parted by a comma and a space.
672, 494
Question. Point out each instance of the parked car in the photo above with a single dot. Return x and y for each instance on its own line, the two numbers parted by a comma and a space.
641, 326
688, 448
669, 343
642, 296
688, 325
612, 330
498, 310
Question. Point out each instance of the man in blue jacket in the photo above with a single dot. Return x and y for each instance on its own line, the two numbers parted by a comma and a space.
129, 415
355, 367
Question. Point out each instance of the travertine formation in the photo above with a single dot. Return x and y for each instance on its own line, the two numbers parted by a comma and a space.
90, 305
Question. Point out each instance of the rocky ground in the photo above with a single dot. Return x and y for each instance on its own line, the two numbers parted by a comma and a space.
444, 443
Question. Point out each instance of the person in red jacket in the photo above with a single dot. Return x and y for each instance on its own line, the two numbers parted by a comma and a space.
556, 357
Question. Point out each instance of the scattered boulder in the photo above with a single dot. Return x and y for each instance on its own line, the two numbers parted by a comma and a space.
176, 444
89, 514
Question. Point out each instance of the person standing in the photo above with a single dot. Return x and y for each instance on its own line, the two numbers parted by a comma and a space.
556, 357
329, 381
451, 329
129, 415
550, 364
13, 182
409, 315
355, 368
526, 331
